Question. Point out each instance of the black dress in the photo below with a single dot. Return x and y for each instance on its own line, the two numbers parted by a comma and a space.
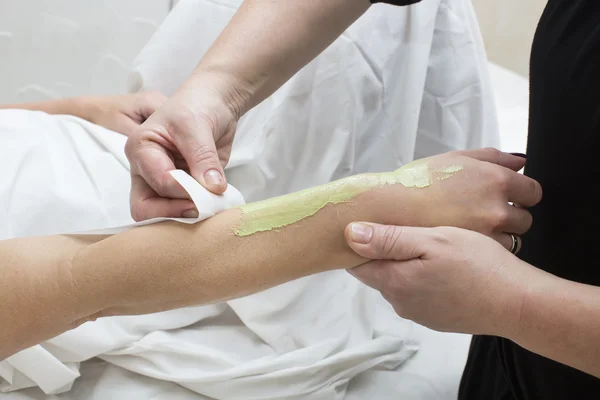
563, 143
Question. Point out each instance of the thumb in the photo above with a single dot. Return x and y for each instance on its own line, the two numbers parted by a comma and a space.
386, 242
198, 148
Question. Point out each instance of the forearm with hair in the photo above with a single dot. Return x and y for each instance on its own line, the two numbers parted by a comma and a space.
560, 320
52, 284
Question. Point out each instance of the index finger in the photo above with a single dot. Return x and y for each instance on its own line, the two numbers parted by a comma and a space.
146, 204
154, 165
495, 156
193, 136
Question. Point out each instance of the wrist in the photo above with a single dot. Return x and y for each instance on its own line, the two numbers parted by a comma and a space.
541, 303
89, 108
524, 293
235, 94
81, 107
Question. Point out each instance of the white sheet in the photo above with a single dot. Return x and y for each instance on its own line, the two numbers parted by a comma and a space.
432, 374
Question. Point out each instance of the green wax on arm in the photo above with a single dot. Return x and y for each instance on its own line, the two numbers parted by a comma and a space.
288, 209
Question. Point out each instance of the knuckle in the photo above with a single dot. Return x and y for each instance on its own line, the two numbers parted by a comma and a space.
498, 217
136, 211
499, 178
493, 153
528, 221
180, 119
390, 235
135, 146
204, 154
537, 191
130, 146
160, 184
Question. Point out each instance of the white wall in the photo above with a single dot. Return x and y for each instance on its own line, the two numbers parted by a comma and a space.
508, 27
58, 48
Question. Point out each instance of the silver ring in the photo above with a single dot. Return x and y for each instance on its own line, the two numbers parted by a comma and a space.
514, 248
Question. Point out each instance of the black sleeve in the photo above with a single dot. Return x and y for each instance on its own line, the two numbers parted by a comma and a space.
396, 2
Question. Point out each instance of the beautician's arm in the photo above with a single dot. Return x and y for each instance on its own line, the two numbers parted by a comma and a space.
265, 43
456, 280
268, 41
560, 320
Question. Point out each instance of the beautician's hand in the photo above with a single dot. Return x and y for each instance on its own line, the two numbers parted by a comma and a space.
193, 131
123, 114
447, 279
478, 196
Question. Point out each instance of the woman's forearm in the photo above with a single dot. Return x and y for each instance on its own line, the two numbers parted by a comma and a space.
57, 283
268, 41
38, 297
78, 107
560, 320
173, 265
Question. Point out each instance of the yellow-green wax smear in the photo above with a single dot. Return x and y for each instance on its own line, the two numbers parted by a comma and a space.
285, 210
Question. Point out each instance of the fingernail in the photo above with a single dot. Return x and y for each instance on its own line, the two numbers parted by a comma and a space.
519, 155
361, 233
213, 177
190, 213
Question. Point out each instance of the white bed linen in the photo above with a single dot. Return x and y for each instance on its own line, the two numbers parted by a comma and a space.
431, 374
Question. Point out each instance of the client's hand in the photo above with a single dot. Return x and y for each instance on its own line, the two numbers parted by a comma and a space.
193, 131
477, 197
123, 114
447, 279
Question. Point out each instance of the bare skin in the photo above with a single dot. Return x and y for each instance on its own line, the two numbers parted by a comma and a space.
121, 114
456, 280
53, 284
265, 44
